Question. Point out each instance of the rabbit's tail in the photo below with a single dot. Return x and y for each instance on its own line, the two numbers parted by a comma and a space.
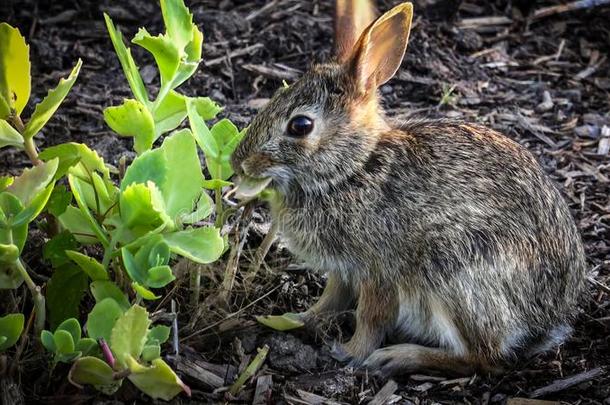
411, 358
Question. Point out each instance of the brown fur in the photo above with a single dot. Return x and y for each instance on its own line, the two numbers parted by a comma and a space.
455, 242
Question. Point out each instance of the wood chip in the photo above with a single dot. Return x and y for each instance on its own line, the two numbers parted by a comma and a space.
565, 383
604, 142
385, 393
264, 388
528, 401
483, 21
198, 371
315, 399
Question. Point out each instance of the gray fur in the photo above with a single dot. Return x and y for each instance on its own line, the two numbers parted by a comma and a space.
458, 222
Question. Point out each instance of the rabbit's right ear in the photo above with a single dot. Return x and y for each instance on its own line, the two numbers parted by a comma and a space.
379, 52
351, 19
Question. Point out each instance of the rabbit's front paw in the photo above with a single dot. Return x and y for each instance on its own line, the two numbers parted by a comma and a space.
348, 353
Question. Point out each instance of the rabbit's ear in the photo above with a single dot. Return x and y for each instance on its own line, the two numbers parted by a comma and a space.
351, 19
379, 51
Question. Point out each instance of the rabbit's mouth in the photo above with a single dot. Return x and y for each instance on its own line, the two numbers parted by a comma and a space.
249, 187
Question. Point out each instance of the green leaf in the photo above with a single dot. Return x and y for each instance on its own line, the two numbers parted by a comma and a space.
155, 252
178, 22
65, 292
164, 51
158, 334
201, 245
132, 118
89, 265
144, 292
69, 154
5, 181
206, 108
55, 249
156, 381
14, 70
183, 182
129, 66
11, 234
149, 166
213, 184
11, 327
96, 372
107, 289
170, 113
34, 208
102, 318
74, 221
10, 277
33, 181
63, 342
59, 200
202, 134
205, 206
135, 272
77, 191
5, 112
159, 276
9, 136
151, 352
288, 321
86, 346
129, 334
48, 341
142, 208
71, 326
47, 107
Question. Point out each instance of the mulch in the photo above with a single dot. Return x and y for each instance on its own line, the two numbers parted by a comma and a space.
544, 82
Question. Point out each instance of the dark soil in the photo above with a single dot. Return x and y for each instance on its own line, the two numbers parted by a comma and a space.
496, 74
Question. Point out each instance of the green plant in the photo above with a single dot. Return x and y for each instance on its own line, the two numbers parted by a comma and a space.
11, 327
21, 200
448, 97
142, 218
15, 86
66, 342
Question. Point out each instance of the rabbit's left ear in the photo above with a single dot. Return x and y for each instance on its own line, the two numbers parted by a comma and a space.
379, 51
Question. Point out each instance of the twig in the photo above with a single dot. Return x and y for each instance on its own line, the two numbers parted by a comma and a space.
565, 383
564, 8
231, 315
175, 336
250, 371
238, 52
233, 262
263, 249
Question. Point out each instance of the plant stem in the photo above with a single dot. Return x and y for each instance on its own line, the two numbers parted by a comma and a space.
250, 370
195, 284
110, 248
219, 210
263, 249
28, 143
39, 301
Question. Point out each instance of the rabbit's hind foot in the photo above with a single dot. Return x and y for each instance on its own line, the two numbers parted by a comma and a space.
411, 358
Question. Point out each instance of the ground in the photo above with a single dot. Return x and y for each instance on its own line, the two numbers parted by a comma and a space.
544, 82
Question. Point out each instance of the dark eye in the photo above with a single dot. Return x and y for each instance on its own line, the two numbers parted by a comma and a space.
300, 126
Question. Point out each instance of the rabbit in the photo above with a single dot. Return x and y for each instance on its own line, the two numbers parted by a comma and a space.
455, 248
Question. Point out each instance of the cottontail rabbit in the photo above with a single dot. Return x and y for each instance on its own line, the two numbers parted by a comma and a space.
445, 235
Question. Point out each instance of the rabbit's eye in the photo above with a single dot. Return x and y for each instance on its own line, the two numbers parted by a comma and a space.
300, 126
